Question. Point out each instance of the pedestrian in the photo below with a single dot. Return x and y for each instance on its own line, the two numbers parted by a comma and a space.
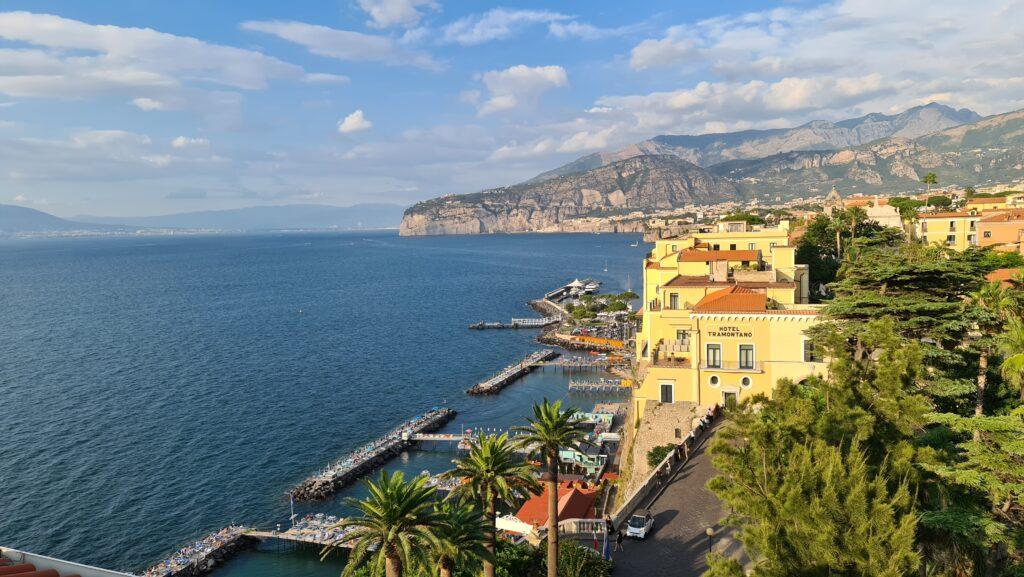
618, 540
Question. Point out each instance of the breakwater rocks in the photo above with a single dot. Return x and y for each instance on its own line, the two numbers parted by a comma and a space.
368, 457
201, 557
512, 372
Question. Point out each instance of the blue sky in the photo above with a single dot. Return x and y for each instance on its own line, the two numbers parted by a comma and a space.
135, 107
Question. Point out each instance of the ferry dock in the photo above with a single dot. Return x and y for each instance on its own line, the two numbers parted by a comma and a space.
509, 374
368, 457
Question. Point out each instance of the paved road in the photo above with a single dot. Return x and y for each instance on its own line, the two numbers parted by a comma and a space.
682, 514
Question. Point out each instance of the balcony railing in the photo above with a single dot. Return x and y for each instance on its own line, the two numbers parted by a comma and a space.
754, 367
677, 346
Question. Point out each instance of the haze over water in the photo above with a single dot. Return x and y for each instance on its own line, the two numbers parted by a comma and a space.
155, 389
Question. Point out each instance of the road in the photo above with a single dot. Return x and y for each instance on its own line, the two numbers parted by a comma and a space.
682, 513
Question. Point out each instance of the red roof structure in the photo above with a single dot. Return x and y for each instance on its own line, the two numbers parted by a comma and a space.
573, 503
732, 300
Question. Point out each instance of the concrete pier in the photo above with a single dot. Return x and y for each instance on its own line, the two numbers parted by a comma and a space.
509, 374
369, 456
201, 557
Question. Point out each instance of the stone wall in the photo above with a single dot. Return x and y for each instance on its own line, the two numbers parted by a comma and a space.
658, 427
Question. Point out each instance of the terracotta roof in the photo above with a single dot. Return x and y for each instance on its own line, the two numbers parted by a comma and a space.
945, 215
1005, 216
710, 255
573, 503
732, 299
987, 200
1002, 276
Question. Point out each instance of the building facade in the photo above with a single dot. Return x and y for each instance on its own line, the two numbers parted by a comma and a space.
724, 318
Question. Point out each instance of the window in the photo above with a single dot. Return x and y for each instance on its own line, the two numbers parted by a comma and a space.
809, 356
732, 247
730, 399
924, 238
952, 226
924, 226
772, 244
673, 248
745, 381
972, 239
673, 301
974, 224
666, 392
713, 380
950, 239
683, 336
679, 433
751, 246
987, 234
714, 247
746, 356
714, 356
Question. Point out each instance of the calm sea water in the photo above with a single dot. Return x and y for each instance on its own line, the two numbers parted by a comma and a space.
155, 389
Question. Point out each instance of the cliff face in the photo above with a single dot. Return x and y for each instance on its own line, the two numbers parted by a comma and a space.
567, 203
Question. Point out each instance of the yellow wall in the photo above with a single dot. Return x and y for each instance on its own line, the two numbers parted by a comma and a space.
964, 231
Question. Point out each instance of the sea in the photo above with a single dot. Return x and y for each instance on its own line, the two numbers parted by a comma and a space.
156, 389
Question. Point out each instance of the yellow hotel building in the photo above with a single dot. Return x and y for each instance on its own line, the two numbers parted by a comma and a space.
724, 317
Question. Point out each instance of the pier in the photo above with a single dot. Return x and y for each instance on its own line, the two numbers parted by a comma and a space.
509, 374
524, 323
313, 529
203, 555
369, 456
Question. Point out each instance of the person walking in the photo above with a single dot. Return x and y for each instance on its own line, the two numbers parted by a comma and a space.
618, 540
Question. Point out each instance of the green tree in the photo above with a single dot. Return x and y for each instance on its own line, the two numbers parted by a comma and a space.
988, 308
930, 179
492, 474
940, 201
657, 454
1011, 345
461, 532
396, 526
550, 429
745, 217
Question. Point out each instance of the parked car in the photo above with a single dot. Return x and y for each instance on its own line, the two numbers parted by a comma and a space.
639, 526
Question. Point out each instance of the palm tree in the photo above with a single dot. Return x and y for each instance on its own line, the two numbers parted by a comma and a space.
396, 527
492, 474
550, 429
462, 534
930, 179
1011, 345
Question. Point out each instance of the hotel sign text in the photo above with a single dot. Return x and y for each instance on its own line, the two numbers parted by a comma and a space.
729, 332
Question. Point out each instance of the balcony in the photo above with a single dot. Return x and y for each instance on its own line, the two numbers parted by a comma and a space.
754, 367
676, 346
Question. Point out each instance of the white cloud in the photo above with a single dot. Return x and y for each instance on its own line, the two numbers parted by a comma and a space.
387, 13
183, 142
70, 59
514, 150
664, 52
519, 85
323, 78
504, 23
354, 122
148, 104
343, 44
586, 140
20, 198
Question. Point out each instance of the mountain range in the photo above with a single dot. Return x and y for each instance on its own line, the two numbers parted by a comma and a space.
21, 220
872, 153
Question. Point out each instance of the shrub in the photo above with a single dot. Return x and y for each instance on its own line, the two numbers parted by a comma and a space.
656, 455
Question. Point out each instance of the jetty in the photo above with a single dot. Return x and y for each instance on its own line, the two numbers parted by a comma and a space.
313, 529
524, 323
370, 456
202, 556
509, 374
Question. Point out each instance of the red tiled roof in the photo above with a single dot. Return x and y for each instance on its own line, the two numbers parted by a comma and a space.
710, 255
945, 215
732, 299
1002, 276
573, 503
987, 200
1004, 216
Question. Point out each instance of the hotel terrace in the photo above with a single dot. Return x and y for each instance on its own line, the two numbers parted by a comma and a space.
724, 317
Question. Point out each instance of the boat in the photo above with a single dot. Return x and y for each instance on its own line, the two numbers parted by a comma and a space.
635, 244
605, 266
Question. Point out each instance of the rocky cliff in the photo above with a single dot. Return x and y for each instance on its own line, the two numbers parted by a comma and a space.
570, 203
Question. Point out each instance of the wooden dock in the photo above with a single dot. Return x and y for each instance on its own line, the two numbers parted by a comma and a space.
511, 373
368, 457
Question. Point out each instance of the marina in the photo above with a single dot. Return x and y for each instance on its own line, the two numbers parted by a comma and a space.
509, 374
368, 457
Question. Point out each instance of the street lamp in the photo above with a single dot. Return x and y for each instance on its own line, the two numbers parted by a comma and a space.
711, 534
